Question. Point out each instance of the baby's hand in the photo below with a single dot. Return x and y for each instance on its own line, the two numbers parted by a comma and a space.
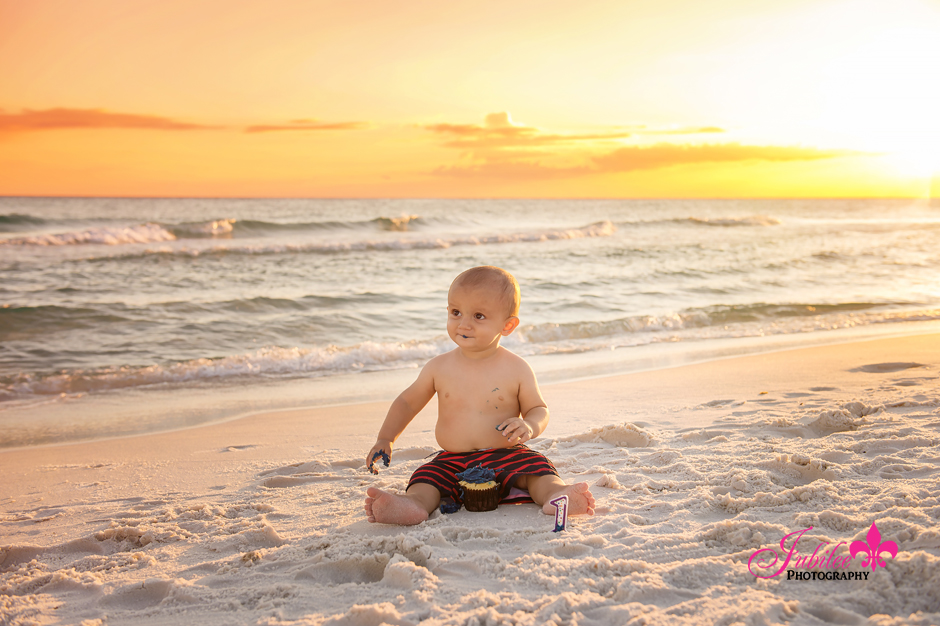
516, 429
381, 450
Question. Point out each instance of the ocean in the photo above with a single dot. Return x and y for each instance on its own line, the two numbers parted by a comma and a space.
122, 316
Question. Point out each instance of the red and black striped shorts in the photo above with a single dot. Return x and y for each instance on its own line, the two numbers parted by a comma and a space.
508, 463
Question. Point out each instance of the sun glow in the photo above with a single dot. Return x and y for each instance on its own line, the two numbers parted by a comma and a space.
882, 95
804, 98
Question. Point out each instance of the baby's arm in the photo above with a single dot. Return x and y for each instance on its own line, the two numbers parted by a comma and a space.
400, 414
533, 410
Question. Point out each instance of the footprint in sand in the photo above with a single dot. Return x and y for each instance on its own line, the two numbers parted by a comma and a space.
238, 448
299, 474
359, 569
717, 404
150, 593
885, 368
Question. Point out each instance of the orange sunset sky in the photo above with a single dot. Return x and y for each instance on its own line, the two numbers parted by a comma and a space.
372, 98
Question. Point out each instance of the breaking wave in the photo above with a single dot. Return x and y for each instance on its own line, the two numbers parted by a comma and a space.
401, 223
752, 220
13, 222
599, 229
731, 321
267, 362
528, 340
111, 236
721, 222
154, 232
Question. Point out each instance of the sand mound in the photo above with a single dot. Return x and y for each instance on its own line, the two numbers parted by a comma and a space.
624, 435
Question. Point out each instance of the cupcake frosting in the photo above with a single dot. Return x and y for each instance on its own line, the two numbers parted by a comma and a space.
477, 475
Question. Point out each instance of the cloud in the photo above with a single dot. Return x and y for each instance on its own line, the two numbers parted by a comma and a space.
61, 118
517, 170
634, 158
681, 131
662, 155
499, 131
307, 125
498, 120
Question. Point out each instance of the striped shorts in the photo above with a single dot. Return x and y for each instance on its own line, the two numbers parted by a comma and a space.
508, 463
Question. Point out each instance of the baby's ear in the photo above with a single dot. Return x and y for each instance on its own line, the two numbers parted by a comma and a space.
510, 326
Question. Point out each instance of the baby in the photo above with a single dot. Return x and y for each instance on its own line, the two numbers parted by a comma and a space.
489, 405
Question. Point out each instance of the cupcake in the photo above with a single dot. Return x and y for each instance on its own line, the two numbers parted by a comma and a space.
479, 489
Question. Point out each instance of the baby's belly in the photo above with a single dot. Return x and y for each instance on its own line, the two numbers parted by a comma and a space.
464, 435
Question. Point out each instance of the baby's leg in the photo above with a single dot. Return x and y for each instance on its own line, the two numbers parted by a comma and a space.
412, 508
543, 489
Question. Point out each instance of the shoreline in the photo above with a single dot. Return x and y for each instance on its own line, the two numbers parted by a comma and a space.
686, 384
550, 369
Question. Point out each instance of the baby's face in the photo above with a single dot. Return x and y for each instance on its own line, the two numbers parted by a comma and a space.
476, 319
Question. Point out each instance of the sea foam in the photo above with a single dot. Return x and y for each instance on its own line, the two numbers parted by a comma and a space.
527, 341
271, 361
152, 232
142, 233
750, 220
599, 229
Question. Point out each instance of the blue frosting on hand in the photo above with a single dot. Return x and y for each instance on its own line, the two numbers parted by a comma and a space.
385, 460
478, 474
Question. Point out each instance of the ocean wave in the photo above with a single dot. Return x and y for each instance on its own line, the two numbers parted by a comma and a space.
726, 222
154, 232
751, 220
203, 230
47, 319
13, 222
598, 229
271, 361
527, 341
397, 224
693, 326
150, 232
401, 223
111, 236
714, 316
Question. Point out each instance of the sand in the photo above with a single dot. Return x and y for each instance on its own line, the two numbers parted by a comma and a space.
695, 468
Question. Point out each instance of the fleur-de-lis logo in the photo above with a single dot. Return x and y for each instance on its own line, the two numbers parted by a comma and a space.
874, 548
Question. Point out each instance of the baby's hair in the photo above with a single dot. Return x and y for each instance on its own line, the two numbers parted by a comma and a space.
495, 278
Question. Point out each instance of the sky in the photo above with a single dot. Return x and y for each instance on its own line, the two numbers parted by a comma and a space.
423, 98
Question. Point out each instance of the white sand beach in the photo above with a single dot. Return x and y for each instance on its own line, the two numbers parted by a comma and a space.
695, 468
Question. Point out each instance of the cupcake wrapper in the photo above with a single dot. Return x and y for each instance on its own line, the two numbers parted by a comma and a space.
481, 500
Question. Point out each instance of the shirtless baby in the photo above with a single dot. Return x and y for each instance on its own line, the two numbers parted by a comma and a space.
489, 405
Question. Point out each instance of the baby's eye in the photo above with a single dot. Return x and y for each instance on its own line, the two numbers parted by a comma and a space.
455, 312
480, 316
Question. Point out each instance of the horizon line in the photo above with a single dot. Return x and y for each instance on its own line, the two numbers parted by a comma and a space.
186, 197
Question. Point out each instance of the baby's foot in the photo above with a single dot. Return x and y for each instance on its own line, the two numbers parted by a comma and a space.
580, 500
390, 508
